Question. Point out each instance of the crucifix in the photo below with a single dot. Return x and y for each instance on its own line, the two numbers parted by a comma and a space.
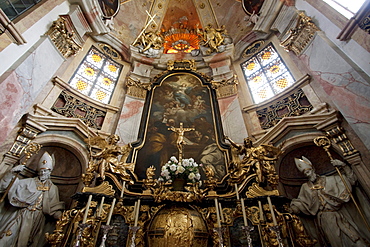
151, 19
180, 139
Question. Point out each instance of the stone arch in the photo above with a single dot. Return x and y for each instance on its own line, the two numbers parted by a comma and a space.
71, 159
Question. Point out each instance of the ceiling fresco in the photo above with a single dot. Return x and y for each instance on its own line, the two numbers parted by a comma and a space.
164, 15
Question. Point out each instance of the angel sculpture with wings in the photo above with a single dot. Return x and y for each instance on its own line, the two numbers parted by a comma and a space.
260, 159
111, 158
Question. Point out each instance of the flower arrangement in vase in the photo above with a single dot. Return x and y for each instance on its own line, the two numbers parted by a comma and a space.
187, 169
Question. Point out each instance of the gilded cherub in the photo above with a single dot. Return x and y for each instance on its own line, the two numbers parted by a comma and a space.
260, 159
112, 158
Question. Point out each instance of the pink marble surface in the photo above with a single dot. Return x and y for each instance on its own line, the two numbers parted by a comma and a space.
19, 90
129, 122
232, 119
343, 87
11, 94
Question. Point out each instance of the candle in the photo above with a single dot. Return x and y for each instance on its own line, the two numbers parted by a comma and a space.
111, 211
123, 188
137, 212
244, 213
261, 211
237, 191
87, 209
272, 211
101, 206
134, 213
217, 213
221, 212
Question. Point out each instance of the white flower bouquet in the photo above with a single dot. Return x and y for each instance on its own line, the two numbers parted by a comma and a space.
187, 169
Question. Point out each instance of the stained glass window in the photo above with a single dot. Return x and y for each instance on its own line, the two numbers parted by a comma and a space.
266, 74
96, 76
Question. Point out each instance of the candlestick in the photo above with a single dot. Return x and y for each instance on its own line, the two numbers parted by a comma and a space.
217, 213
221, 212
137, 212
244, 213
134, 213
87, 209
237, 191
111, 211
261, 211
272, 211
123, 188
101, 206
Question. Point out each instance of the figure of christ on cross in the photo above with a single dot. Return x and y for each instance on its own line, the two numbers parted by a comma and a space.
180, 138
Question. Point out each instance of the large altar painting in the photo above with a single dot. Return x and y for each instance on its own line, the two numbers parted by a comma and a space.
180, 98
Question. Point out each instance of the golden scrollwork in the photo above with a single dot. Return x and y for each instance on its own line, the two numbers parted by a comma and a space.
254, 190
103, 188
185, 64
301, 35
161, 191
57, 236
338, 136
63, 37
137, 89
299, 232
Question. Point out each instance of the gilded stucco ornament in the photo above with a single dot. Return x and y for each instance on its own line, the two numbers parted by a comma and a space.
110, 159
256, 160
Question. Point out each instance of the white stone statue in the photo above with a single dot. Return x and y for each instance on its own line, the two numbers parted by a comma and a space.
22, 223
323, 197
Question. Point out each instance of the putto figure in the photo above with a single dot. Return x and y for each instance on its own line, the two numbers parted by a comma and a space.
30, 200
323, 196
111, 157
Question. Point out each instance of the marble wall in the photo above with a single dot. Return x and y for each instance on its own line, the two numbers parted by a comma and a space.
20, 88
232, 119
129, 121
346, 88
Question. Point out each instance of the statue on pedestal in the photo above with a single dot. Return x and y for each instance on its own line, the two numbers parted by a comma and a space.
323, 196
30, 200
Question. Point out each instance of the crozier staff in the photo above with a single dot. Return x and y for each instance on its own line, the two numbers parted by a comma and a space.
323, 196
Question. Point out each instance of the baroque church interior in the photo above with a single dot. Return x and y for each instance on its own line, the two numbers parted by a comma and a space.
160, 123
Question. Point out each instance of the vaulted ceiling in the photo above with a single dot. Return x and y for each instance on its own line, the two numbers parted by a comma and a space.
135, 15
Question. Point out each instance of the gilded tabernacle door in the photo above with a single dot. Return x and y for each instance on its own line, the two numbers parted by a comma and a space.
182, 120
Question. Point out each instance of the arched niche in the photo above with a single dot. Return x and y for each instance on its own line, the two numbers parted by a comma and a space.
175, 98
70, 163
289, 175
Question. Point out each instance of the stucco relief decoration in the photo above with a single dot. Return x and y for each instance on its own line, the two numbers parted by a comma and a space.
62, 35
181, 65
226, 88
300, 36
137, 89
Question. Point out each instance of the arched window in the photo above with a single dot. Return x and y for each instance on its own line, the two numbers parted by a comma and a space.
96, 76
266, 74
